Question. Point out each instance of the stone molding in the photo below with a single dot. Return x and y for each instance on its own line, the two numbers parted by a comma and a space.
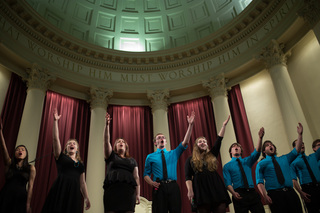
158, 99
99, 97
38, 78
216, 86
273, 54
35, 26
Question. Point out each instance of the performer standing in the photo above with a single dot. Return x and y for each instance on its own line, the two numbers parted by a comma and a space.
65, 193
163, 165
306, 169
238, 178
205, 187
274, 178
14, 197
121, 185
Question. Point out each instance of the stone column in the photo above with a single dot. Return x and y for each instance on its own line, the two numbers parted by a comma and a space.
217, 89
310, 12
159, 107
5, 76
95, 173
38, 81
276, 62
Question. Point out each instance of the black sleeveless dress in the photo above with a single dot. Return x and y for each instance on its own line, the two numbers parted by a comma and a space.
65, 195
13, 196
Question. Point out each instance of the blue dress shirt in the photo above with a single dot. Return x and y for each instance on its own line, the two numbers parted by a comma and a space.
153, 164
300, 169
232, 174
265, 171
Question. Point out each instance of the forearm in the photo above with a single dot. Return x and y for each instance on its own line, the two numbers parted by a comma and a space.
222, 130
56, 141
3, 150
189, 185
107, 144
230, 189
187, 135
262, 190
148, 180
297, 186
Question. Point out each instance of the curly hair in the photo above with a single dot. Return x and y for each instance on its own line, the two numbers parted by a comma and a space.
201, 159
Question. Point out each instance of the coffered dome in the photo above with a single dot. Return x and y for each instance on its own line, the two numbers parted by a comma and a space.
139, 25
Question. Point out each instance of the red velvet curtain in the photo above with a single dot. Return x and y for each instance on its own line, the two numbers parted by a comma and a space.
204, 125
11, 116
135, 125
240, 120
74, 123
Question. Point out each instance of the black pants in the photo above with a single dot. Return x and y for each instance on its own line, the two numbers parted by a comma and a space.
166, 198
314, 191
284, 200
250, 201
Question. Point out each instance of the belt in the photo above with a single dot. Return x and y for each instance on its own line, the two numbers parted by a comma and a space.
167, 181
285, 189
311, 184
244, 189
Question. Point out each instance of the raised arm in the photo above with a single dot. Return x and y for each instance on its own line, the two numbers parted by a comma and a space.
106, 137
187, 137
3, 148
55, 132
223, 128
30, 187
261, 134
299, 141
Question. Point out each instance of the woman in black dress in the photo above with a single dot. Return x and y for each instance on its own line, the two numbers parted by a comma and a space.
65, 193
14, 197
206, 189
121, 185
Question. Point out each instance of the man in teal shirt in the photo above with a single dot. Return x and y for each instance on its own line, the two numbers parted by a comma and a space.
166, 192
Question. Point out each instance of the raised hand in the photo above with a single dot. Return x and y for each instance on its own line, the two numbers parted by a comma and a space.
108, 119
56, 117
226, 121
300, 128
261, 132
191, 117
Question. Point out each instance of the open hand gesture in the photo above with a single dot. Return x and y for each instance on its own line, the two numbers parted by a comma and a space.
56, 117
191, 117
226, 121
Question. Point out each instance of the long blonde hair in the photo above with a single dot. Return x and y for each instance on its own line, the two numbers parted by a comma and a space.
201, 159
78, 150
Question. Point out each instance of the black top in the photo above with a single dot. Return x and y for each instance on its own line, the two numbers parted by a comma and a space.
120, 170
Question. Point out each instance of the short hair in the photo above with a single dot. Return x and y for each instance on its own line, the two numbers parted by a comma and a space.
234, 144
294, 143
264, 147
315, 142
155, 137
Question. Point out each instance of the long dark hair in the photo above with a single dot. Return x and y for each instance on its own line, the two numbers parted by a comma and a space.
25, 169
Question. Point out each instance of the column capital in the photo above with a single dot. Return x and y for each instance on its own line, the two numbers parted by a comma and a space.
310, 12
99, 97
38, 78
273, 54
158, 99
216, 86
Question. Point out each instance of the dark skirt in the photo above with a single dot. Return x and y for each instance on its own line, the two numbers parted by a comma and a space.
119, 197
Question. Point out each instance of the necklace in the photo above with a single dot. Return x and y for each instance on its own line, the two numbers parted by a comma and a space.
76, 164
19, 167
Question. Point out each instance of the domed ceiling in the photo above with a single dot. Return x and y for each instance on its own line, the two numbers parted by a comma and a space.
139, 25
